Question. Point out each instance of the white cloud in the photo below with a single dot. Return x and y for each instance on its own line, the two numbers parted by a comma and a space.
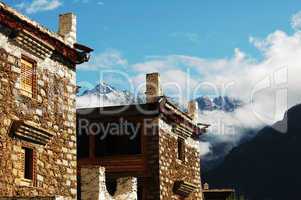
109, 59
39, 5
268, 86
100, 3
240, 75
296, 21
205, 148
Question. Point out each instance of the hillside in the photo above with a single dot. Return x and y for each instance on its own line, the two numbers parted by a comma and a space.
267, 167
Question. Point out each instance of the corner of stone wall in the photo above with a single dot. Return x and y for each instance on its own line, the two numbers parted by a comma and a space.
93, 186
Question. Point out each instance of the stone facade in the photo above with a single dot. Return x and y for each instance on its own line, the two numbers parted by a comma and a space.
33, 198
52, 109
94, 186
49, 115
163, 162
172, 169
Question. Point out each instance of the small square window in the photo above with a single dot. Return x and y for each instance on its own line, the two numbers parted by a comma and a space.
181, 149
28, 163
27, 77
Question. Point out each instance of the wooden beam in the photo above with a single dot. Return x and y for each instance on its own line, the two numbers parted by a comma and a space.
114, 164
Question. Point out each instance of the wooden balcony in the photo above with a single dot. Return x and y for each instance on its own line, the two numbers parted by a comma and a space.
133, 164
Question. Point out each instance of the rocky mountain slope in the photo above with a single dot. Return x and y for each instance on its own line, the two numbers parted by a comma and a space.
104, 94
268, 166
224, 103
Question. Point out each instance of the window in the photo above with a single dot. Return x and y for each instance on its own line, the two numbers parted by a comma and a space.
83, 144
181, 149
119, 143
28, 163
27, 77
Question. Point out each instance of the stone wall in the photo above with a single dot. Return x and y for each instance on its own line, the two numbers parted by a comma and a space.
93, 186
172, 169
152, 181
53, 109
32, 198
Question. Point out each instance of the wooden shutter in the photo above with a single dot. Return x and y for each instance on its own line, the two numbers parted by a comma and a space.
27, 77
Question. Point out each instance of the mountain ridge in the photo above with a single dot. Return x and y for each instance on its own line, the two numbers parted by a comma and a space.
223, 103
104, 94
266, 167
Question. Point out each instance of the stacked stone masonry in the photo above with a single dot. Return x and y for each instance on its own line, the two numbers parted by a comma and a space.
52, 108
172, 169
32, 198
94, 186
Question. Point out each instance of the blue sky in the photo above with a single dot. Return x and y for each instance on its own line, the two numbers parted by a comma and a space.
137, 31
141, 28
244, 49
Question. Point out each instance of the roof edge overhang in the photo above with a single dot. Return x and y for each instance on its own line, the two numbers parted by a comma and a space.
20, 23
162, 107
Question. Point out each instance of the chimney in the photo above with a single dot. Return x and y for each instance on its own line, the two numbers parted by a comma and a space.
153, 87
193, 110
206, 186
67, 27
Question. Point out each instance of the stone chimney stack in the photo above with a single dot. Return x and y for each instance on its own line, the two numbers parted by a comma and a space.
206, 186
67, 27
153, 87
193, 110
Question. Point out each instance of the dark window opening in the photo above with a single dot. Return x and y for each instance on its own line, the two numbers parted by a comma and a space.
181, 149
82, 144
28, 163
79, 184
122, 142
111, 184
140, 188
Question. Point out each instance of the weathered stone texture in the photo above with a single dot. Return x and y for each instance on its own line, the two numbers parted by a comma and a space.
53, 109
172, 169
93, 186
33, 198
153, 181
67, 28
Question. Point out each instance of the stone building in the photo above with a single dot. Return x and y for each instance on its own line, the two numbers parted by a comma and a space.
155, 142
37, 107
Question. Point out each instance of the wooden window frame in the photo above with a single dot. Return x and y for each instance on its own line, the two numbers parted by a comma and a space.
24, 92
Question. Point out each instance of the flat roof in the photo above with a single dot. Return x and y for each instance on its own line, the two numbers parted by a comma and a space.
162, 106
37, 25
18, 22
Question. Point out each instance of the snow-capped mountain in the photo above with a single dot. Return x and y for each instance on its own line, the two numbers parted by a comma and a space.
224, 103
104, 94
